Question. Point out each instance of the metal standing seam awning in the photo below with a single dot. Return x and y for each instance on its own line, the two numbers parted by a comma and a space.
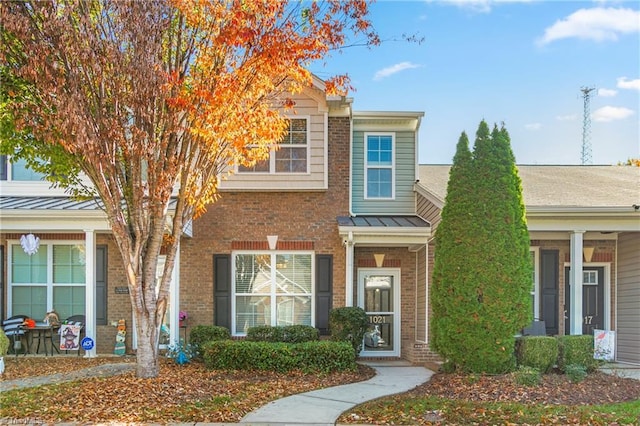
57, 214
389, 231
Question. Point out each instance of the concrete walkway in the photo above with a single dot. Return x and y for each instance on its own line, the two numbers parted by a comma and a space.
315, 408
324, 406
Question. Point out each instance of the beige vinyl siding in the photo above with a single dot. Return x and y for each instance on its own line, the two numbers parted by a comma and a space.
628, 297
405, 163
314, 179
428, 211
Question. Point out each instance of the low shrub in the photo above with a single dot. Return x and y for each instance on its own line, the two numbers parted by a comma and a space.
309, 357
348, 324
4, 343
527, 376
539, 352
575, 372
577, 350
200, 334
286, 334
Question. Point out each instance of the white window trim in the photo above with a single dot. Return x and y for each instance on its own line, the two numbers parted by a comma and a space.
272, 293
49, 284
536, 282
392, 167
272, 154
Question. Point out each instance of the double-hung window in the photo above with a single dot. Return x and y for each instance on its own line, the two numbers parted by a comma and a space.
379, 166
18, 171
52, 278
292, 154
272, 289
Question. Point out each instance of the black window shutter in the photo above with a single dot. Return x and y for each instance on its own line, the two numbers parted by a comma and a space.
3, 167
222, 290
101, 285
324, 291
549, 264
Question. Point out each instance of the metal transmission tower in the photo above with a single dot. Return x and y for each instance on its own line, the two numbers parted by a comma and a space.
586, 126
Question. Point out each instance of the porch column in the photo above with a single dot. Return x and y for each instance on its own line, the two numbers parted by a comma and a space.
174, 300
575, 281
90, 289
349, 271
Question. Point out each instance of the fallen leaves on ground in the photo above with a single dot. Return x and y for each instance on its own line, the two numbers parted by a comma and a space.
483, 399
555, 389
188, 393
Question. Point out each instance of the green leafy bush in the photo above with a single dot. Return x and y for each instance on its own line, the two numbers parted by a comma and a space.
309, 357
576, 372
540, 352
286, 334
200, 334
348, 324
577, 350
4, 343
527, 376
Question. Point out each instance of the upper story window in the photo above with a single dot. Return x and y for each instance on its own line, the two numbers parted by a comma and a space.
17, 171
292, 155
379, 165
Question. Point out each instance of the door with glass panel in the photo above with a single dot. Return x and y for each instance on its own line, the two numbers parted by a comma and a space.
379, 296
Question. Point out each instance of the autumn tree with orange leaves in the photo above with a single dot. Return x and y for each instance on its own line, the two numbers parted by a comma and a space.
153, 101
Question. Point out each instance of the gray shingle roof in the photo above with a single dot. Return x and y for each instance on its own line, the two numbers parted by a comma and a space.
558, 185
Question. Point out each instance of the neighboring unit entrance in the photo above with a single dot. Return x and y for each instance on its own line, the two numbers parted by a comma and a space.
593, 314
379, 296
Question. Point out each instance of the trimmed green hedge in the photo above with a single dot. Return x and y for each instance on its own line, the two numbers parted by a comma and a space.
310, 357
576, 350
201, 334
539, 352
286, 334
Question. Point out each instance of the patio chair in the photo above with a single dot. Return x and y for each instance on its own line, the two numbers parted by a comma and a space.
78, 320
13, 329
536, 328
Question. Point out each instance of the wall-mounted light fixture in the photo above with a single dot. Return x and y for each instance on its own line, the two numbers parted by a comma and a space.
379, 257
30, 244
587, 252
273, 241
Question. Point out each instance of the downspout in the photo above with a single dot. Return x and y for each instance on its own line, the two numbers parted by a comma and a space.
349, 270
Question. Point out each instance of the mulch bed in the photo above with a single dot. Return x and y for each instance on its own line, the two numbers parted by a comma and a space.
555, 389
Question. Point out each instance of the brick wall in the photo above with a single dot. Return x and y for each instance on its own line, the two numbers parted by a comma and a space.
301, 220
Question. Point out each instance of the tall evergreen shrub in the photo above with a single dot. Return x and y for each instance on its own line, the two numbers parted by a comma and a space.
482, 273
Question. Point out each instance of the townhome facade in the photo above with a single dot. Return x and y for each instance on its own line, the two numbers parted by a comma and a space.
340, 215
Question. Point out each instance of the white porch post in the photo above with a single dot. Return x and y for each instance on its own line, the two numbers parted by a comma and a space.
90, 289
349, 271
575, 281
174, 301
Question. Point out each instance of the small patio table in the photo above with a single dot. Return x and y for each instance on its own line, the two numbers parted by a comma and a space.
42, 332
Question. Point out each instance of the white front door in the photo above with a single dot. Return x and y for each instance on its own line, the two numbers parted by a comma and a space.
379, 296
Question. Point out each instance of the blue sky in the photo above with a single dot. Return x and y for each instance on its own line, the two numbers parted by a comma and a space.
518, 62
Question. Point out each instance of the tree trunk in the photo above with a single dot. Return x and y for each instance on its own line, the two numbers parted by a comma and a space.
147, 365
